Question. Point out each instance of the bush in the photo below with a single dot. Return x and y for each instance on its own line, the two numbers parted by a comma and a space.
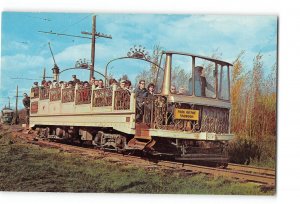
243, 150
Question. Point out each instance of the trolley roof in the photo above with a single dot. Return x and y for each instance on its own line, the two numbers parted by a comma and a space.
222, 63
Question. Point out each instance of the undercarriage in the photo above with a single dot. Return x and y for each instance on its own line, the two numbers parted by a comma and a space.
188, 151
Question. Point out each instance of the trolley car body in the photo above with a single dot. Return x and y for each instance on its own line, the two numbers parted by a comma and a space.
7, 115
186, 126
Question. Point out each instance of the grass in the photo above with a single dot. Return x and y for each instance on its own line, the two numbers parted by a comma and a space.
26, 167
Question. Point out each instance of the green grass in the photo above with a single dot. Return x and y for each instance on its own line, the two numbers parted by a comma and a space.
26, 167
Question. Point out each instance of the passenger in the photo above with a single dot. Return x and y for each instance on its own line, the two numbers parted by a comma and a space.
35, 84
100, 84
181, 91
122, 84
128, 85
96, 83
201, 82
70, 84
49, 84
44, 82
113, 82
150, 89
92, 81
141, 93
79, 84
54, 84
65, 84
61, 83
86, 84
26, 103
173, 89
75, 80
85, 92
149, 103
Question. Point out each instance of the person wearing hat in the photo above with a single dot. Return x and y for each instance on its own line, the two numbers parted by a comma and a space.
75, 80
35, 84
122, 84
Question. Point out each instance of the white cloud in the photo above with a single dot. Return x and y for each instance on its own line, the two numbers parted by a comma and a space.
199, 34
16, 46
21, 62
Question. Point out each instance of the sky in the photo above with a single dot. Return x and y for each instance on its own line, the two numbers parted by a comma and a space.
25, 51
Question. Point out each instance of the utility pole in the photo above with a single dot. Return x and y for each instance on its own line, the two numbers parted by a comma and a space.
17, 115
94, 35
44, 74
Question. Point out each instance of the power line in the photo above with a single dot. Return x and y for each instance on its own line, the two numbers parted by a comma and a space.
65, 28
76, 23
63, 34
45, 19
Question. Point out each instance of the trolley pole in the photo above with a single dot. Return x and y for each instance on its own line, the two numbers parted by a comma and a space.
17, 115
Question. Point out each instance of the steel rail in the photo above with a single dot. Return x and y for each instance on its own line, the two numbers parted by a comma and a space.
241, 172
231, 173
244, 176
253, 169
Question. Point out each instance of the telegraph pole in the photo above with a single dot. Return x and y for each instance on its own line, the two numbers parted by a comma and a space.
93, 47
44, 74
17, 115
94, 35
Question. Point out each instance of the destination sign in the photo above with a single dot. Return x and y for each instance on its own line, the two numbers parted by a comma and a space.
186, 114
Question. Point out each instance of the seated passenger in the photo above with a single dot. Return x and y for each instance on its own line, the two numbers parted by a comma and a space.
92, 81
113, 82
43, 83
65, 84
122, 84
100, 84
86, 84
70, 84
173, 89
54, 84
49, 84
35, 84
181, 91
75, 80
128, 85
150, 89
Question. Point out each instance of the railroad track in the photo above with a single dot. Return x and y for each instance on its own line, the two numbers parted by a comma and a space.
251, 169
243, 173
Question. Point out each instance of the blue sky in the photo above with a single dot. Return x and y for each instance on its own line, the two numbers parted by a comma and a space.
25, 52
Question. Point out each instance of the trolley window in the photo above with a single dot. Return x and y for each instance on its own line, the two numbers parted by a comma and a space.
223, 92
181, 75
205, 81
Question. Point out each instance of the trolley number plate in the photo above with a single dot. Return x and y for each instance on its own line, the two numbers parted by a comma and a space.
186, 114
